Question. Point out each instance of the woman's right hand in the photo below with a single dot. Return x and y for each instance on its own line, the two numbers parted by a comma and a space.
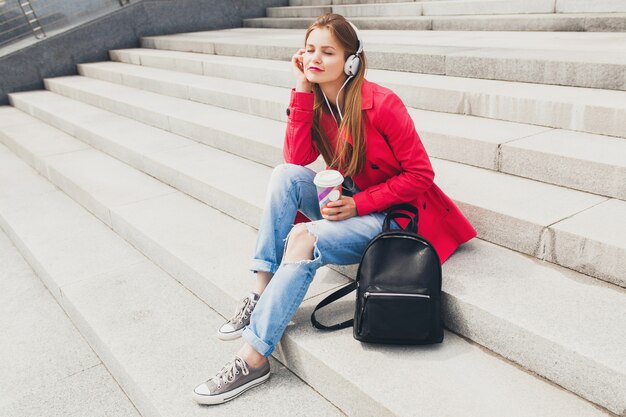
297, 62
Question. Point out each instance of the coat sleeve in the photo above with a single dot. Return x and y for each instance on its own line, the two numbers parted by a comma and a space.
299, 148
395, 124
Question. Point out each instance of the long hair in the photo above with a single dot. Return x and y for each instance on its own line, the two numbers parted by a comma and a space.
347, 157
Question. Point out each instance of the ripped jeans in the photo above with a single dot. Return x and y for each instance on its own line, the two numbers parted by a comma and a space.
341, 242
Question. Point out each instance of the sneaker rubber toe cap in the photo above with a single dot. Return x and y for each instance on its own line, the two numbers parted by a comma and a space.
202, 389
227, 328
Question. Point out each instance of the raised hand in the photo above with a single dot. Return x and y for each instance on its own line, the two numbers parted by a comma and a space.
297, 61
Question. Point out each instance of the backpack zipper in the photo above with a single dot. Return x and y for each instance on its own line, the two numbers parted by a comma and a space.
368, 294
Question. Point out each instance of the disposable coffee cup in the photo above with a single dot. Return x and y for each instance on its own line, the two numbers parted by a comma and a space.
328, 185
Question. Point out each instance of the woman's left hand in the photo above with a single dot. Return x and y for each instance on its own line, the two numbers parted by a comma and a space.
342, 209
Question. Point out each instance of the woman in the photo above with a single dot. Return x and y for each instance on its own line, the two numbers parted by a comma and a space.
364, 131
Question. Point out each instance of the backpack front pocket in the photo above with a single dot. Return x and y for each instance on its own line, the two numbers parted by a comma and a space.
398, 317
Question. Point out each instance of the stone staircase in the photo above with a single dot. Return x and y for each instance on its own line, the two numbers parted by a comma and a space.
49, 360
134, 191
446, 15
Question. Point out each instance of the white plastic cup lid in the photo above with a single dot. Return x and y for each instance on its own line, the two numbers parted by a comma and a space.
328, 178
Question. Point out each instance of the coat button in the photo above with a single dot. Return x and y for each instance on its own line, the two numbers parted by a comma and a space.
374, 166
288, 111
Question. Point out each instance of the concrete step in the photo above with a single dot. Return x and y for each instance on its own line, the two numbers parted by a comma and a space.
465, 6
550, 22
541, 57
426, 8
149, 330
580, 6
571, 108
329, 362
575, 160
47, 367
329, 2
506, 213
252, 137
587, 244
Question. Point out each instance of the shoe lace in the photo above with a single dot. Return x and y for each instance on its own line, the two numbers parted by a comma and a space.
244, 310
229, 371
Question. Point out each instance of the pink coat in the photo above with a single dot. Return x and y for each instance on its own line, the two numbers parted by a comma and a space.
397, 168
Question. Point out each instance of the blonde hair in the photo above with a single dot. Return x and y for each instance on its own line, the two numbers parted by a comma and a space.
347, 157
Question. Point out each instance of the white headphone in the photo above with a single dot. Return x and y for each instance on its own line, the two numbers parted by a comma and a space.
351, 68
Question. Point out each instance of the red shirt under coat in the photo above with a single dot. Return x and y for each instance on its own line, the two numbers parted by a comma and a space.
397, 168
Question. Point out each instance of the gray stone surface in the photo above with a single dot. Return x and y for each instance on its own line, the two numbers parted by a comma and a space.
600, 23
52, 226
309, 2
577, 160
111, 185
260, 100
563, 324
429, 53
570, 22
516, 221
486, 7
152, 235
578, 6
533, 22
478, 383
591, 69
459, 138
266, 72
379, 10
40, 345
202, 252
90, 393
141, 288
590, 110
161, 337
58, 156
349, 11
298, 11
15, 187
43, 357
525, 338
507, 210
430, 8
150, 332
587, 110
330, 2
253, 137
592, 242
467, 139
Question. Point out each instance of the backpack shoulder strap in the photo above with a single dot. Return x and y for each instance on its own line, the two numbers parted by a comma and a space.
334, 297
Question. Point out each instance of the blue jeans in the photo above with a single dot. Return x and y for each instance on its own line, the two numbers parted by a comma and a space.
340, 242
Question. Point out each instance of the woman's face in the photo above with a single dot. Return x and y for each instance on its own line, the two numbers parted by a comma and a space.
324, 57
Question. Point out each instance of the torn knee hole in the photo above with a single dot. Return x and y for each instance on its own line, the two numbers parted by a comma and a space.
300, 244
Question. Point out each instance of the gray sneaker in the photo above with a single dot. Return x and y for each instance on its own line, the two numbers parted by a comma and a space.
235, 378
233, 328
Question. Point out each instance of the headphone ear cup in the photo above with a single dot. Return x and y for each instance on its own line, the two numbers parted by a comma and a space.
351, 67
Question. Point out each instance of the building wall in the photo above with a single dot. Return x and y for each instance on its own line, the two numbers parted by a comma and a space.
58, 55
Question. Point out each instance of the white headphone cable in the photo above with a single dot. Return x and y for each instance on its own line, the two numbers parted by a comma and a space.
336, 101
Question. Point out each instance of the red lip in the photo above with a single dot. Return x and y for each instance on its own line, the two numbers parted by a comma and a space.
314, 69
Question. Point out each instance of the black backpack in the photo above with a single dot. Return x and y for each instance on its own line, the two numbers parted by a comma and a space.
398, 283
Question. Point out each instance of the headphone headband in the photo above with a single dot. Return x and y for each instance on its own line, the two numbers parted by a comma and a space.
358, 38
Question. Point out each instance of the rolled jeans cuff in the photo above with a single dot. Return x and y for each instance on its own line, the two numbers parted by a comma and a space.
258, 344
259, 265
